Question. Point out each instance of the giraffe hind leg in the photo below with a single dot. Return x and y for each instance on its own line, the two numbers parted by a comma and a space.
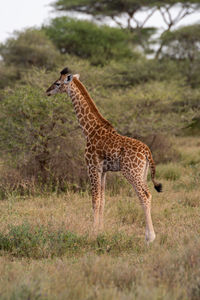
149, 232
140, 186
145, 200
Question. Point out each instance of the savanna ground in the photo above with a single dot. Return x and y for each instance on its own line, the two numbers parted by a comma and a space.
48, 250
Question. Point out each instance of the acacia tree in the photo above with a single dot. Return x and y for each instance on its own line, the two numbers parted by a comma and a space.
183, 9
124, 12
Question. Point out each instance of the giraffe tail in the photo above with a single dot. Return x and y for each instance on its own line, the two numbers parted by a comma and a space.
157, 186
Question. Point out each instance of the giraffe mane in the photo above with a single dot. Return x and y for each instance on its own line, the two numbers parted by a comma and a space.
90, 102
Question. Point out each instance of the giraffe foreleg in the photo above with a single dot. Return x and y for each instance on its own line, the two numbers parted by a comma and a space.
95, 180
102, 200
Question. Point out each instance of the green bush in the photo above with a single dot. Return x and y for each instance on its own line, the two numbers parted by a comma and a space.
142, 70
150, 108
37, 139
29, 48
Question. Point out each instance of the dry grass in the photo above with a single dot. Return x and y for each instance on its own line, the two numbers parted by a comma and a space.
48, 250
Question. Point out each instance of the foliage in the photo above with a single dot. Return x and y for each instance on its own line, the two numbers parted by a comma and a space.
36, 136
120, 75
38, 133
154, 107
29, 48
8, 75
99, 44
109, 8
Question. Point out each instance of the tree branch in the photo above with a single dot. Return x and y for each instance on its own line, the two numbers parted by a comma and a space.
169, 15
148, 17
179, 17
163, 16
117, 22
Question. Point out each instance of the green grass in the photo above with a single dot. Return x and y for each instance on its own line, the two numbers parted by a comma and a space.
40, 242
170, 171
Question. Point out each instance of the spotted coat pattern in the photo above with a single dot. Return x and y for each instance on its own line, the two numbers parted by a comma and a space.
107, 150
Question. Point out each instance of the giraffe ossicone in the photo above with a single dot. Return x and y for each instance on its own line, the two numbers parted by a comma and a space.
107, 150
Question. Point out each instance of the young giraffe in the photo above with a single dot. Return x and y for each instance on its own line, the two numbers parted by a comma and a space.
106, 150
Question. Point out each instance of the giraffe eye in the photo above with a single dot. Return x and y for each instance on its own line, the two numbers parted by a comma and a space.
57, 84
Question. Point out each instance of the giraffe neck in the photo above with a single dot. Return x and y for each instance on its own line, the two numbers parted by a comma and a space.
86, 111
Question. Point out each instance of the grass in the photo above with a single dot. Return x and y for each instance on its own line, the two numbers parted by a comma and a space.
48, 251
40, 242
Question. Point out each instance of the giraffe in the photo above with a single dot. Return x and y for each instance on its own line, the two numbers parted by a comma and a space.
107, 150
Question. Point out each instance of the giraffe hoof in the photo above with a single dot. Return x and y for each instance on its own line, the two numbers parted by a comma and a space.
150, 237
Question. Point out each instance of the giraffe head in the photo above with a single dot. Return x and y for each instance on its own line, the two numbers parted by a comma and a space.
62, 84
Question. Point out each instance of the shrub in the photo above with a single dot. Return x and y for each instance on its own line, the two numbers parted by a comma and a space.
29, 48
121, 74
154, 107
37, 138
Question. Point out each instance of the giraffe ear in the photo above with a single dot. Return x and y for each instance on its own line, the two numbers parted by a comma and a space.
77, 76
68, 78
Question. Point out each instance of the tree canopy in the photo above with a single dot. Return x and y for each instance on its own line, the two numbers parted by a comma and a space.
183, 43
85, 39
129, 8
